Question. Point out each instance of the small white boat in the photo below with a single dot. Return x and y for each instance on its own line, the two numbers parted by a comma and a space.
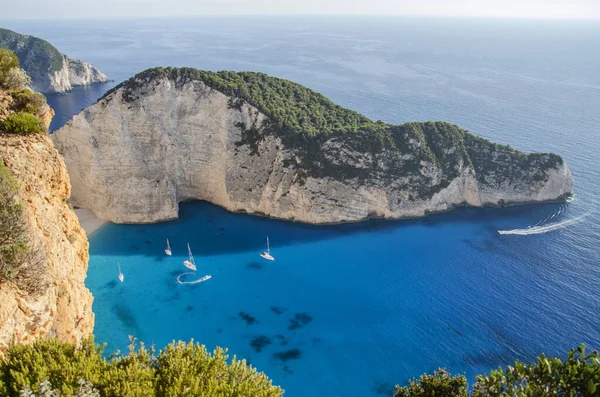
267, 254
190, 263
168, 249
121, 276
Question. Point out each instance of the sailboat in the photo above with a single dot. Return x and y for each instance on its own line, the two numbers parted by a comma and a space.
267, 254
190, 263
168, 250
121, 276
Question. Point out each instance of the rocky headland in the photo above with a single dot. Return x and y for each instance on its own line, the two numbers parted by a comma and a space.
50, 71
261, 145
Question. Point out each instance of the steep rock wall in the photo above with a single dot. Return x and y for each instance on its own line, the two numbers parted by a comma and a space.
72, 73
134, 155
63, 307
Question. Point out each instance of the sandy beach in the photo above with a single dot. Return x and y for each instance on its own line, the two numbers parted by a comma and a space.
88, 221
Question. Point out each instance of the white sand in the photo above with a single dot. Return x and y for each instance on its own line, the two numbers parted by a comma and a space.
88, 221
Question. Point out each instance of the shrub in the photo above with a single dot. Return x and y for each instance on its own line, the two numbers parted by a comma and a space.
22, 123
26, 100
438, 384
578, 376
15, 79
8, 61
21, 261
189, 369
12, 230
181, 369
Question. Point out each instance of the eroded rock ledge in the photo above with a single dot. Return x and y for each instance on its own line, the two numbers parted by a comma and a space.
170, 135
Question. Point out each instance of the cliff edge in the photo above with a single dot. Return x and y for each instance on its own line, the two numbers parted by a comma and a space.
54, 301
50, 71
253, 143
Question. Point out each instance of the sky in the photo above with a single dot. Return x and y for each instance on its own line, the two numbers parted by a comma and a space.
534, 9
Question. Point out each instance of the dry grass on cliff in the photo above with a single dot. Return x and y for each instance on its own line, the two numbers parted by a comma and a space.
21, 259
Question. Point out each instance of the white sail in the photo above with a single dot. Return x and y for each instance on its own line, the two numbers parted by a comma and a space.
168, 250
267, 254
190, 263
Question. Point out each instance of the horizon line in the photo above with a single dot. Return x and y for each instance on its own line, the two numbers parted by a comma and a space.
343, 15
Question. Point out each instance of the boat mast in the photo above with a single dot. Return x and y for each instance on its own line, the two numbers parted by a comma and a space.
190, 254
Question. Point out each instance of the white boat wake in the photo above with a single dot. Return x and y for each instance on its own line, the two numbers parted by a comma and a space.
544, 228
198, 281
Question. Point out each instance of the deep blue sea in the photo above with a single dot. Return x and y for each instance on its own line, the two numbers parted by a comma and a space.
351, 310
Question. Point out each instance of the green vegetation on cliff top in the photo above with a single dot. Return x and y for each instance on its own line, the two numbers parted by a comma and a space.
305, 120
24, 105
577, 376
36, 55
180, 369
188, 369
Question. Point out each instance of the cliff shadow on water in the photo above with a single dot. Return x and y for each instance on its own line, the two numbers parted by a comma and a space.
212, 230
77, 99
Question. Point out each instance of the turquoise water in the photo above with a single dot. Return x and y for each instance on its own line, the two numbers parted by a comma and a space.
383, 300
352, 309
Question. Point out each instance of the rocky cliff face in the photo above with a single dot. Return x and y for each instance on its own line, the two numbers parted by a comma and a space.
50, 71
157, 141
62, 307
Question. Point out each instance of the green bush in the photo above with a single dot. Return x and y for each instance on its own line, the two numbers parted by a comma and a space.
15, 79
578, 376
26, 100
22, 123
438, 384
181, 369
8, 61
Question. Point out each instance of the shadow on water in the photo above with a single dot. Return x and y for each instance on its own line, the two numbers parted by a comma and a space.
126, 316
228, 232
111, 284
383, 388
77, 100
511, 349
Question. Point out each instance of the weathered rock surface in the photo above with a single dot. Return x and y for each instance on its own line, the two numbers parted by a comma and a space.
63, 307
50, 71
138, 152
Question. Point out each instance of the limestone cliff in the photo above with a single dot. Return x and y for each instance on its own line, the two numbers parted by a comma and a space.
252, 143
62, 306
50, 71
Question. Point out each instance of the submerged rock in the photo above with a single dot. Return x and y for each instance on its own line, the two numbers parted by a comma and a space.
256, 144
299, 321
247, 318
292, 354
260, 342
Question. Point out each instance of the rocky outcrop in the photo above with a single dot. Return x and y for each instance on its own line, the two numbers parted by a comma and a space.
161, 139
60, 305
50, 71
